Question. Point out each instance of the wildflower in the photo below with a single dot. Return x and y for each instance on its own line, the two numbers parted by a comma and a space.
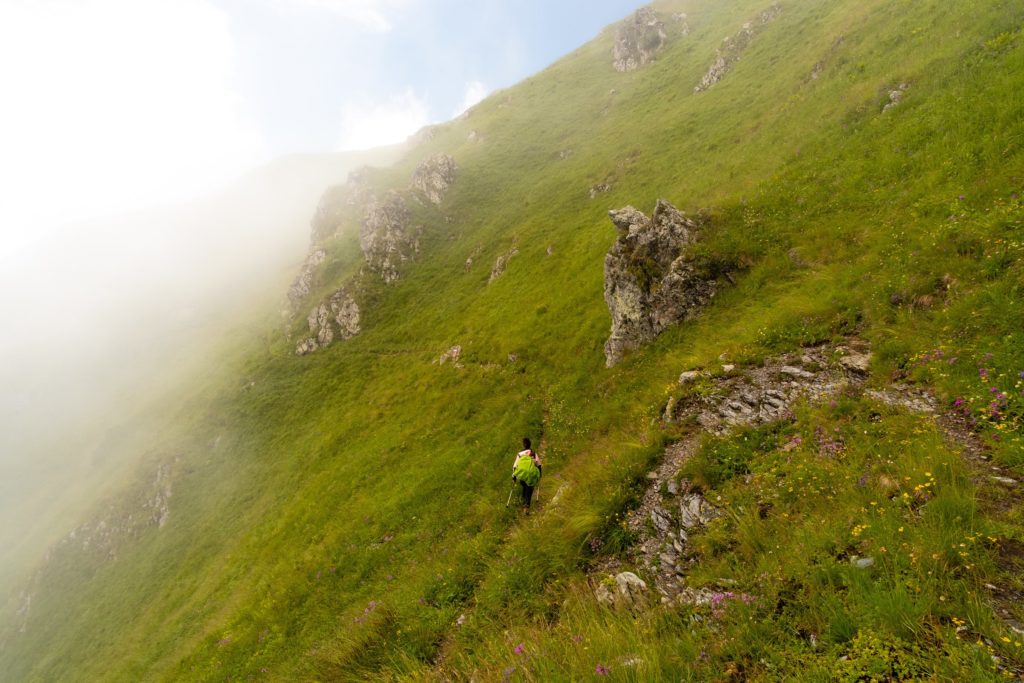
602, 670
519, 649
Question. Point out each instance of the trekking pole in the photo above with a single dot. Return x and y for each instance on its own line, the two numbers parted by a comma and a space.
509, 501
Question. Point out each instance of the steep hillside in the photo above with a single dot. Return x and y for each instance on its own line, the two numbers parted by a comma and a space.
797, 464
113, 314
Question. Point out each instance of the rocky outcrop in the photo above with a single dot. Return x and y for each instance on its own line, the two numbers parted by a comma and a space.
732, 47
387, 238
501, 263
434, 176
300, 288
451, 356
336, 317
649, 284
895, 96
637, 40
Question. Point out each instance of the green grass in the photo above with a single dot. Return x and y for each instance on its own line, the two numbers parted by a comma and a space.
334, 515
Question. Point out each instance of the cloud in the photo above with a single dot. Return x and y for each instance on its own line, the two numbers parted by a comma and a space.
111, 105
373, 15
475, 93
366, 125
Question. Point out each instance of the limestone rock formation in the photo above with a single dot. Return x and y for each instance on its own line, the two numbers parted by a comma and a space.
434, 176
299, 289
338, 316
387, 238
637, 40
732, 47
649, 284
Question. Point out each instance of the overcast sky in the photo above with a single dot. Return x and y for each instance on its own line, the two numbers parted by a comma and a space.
111, 105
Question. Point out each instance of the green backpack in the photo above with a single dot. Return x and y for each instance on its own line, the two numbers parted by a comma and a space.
526, 470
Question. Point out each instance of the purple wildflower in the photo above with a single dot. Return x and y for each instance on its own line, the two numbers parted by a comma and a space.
958, 402
602, 670
519, 649
577, 639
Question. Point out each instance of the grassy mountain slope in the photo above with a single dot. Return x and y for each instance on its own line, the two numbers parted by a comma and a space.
334, 515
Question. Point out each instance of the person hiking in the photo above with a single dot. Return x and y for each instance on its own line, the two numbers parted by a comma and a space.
526, 469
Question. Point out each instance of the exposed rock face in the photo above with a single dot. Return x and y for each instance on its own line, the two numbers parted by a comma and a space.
386, 237
731, 49
637, 40
299, 289
434, 176
648, 282
338, 316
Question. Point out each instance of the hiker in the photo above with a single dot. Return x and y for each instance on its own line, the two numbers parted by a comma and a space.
526, 469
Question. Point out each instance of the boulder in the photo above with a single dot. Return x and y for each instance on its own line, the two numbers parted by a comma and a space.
434, 176
649, 284
637, 40
387, 238
694, 511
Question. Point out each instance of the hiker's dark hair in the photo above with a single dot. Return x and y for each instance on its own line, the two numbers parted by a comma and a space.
526, 442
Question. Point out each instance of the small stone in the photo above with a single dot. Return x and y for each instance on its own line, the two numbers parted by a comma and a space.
862, 562
858, 363
673, 487
728, 368
796, 372
689, 376
1005, 480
